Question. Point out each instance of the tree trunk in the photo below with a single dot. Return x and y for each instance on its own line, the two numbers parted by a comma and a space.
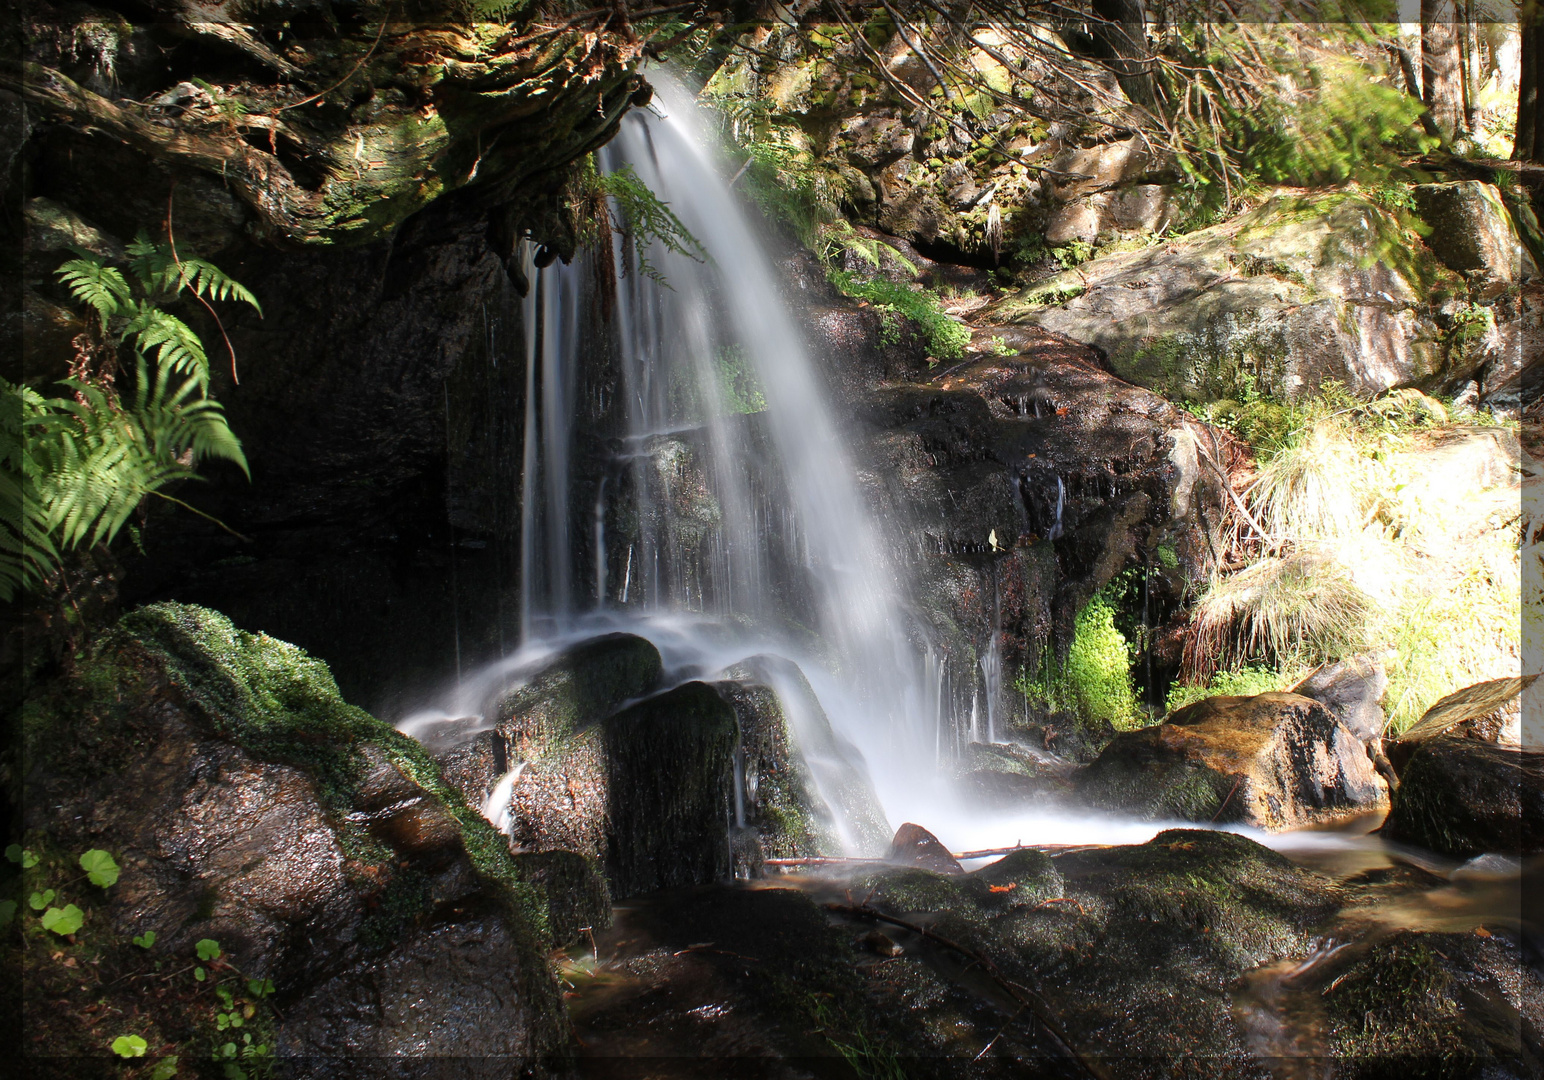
1526, 146
1122, 38
1441, 65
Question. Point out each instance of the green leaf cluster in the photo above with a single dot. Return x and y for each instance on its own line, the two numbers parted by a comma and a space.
946, 338
73, 469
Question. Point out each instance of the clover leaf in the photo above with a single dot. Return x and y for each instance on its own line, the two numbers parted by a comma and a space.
63, 921
99, 867
129, 1046
145, 940
40, 900
208, 949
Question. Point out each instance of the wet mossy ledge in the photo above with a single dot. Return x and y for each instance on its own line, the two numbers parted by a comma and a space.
248, 803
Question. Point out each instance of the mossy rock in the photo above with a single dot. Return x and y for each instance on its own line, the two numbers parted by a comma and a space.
911, 890
1416, 1005
245, 801
1030, 875
578, 899
580, 687
1275, 760
1463, 797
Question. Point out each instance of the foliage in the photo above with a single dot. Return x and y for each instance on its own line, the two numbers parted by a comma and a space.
63, 921
129, 1046
77, 468
946, 338
100, 868
1300, 608
1246, 681
1094, 680
643, 221
1365, 548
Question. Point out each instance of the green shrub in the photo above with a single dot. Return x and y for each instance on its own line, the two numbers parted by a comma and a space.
1094, 681
1246, 681
946, 338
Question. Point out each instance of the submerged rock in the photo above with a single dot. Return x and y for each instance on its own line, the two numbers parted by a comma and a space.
1276, 761
248, 804
1464, 797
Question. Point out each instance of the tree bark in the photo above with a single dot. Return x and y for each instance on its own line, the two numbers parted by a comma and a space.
1122, 38
1526, 145
1442, 88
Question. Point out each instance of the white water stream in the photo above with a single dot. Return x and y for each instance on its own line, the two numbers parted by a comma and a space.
719, 390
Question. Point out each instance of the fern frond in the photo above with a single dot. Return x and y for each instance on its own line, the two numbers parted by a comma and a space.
174, 343
102, 287
163, 272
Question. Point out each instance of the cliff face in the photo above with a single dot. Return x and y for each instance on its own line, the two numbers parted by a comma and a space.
368, 174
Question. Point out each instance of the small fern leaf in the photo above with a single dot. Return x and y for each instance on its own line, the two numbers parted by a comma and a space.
102, 287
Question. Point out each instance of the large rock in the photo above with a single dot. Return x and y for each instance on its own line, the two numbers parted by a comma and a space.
1464, 797
246, 802
1472, 232
802, 790
1353, 690
1275, 301
1275, 761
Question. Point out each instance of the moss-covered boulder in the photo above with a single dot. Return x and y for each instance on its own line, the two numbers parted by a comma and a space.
1276, 761
1276, 301
1463, 797
1135, 949
248, 804
1472, 231
1428, 1005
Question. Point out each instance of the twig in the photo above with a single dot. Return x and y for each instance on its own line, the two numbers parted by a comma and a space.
1023, 995
200, 513
368, 53
182, 281
1225, 801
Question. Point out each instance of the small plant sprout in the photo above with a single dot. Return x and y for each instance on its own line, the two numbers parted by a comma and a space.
145, 940
40, 900
260, 988
13, 853
100, 868
208, 949
63, 921
165, 1069
129, 1046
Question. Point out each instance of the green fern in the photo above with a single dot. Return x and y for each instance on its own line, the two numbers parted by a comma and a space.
74, 469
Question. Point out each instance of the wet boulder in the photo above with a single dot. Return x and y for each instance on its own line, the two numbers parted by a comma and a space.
802, 789
538, 718
1275, 761
915, 846
1463, 797
670, 787
248, 804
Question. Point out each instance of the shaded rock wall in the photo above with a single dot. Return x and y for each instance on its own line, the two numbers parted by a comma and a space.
247, 803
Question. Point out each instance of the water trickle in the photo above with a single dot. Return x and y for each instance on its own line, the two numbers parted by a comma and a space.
1055, 531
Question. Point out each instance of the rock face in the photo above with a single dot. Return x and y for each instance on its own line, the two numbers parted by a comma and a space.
1352, 689
1464, 797
1275, 301
1472, 232
1276, 761
249, 804
1033, 479
915, 846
